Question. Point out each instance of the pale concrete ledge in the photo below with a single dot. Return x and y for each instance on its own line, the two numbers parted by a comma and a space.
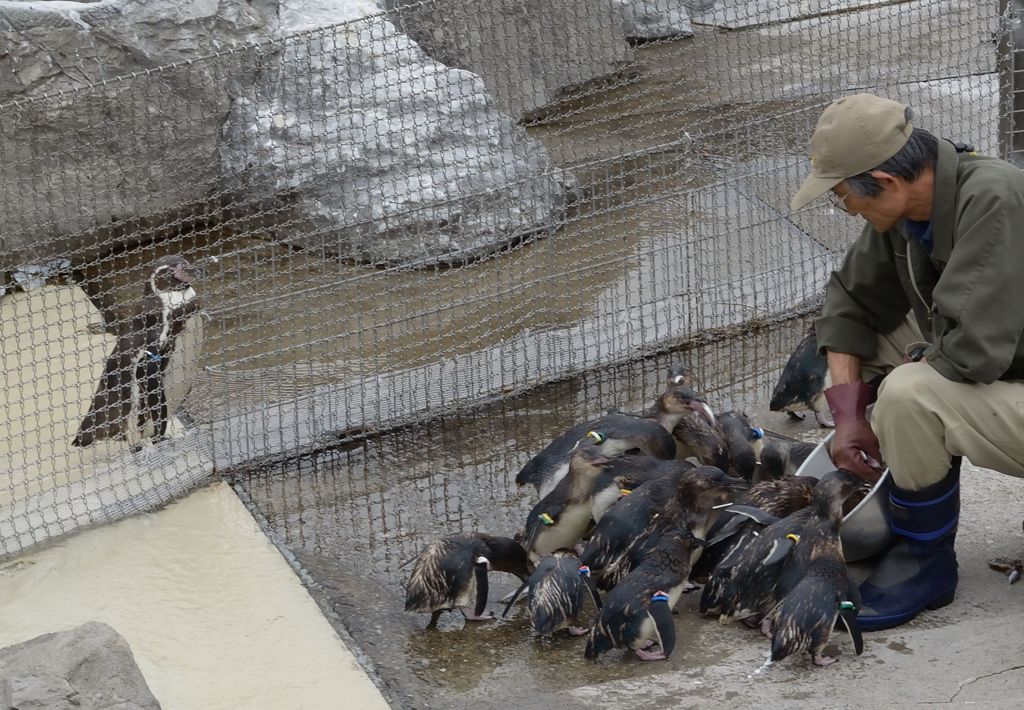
214, 615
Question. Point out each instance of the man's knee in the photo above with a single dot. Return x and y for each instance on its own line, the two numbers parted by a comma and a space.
904, 391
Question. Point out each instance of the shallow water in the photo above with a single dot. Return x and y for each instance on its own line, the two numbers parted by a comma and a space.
353, 518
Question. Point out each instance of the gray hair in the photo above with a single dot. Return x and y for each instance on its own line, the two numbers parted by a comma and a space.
919, 153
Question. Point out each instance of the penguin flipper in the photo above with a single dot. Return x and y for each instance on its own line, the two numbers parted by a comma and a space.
780, 548
515, 597
756, 514
661, 614
849, 617
592, 588
480, 570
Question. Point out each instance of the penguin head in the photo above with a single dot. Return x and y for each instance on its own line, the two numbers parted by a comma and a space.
834, 489
506, 555
706, 486
172, 273
681, 399
680, 374
594, 451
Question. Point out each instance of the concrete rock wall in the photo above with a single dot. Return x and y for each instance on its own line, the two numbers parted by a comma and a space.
381, 152
376, 152
126, 150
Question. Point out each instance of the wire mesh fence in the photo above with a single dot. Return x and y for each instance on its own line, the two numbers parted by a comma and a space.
339, 228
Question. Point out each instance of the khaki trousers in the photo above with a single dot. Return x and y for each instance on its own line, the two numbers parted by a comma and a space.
922, 419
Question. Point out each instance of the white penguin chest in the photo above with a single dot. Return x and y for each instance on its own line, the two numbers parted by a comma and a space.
568, 530
171, 301
648, 629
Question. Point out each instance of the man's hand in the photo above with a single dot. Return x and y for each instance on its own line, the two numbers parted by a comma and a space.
854, 446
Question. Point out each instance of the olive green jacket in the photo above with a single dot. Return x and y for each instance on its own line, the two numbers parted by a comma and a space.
967, 295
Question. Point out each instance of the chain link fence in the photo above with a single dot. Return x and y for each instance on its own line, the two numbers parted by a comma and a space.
418, 210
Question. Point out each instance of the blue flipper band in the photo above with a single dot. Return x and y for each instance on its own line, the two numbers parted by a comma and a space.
659, 597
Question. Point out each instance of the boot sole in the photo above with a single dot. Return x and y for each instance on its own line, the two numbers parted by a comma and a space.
881, 623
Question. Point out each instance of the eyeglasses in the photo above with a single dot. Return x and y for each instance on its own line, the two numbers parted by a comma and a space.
838, 201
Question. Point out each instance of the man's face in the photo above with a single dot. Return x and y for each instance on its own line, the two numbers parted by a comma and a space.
884, 211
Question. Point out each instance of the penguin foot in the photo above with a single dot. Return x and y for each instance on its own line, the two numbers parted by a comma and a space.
752, 622
578, 631
645, 655
799, 416
1012, 568
648, 643
822, 660
766, 627
486, 616
689, 586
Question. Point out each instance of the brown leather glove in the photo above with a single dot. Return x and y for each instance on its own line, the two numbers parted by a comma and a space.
854, 445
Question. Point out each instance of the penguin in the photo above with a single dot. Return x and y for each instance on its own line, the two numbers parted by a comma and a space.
562, 517
781, 456
751, 579
629, 517
815, 587
649, 434
699, 491
742, 444
776, 498
698, 437
683, 494
637, 613
451, 573
622, 475
801, 386
133, 390
557, 589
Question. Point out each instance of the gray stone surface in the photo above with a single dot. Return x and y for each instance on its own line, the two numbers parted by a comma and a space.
654, 19
526, 51
659, 19
89, 667
378, 153
126, 150
735, 14
367, 146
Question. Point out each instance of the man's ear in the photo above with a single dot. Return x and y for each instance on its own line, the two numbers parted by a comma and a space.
886, 179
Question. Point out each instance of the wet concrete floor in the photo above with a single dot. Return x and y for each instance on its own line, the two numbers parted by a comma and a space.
353, 517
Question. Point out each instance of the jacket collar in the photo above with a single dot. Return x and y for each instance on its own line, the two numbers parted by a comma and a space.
944, 201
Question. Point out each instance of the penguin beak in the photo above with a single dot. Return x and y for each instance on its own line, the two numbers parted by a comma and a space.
702, 408
186, 273
735, 484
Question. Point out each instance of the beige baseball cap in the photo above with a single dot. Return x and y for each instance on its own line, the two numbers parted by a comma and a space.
854, 134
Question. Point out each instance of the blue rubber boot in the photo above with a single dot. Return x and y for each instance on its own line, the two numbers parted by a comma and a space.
919, 571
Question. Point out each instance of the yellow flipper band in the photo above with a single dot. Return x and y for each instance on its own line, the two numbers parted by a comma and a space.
546, 519
794, 537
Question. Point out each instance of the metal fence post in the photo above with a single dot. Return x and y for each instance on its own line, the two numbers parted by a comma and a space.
1011, 80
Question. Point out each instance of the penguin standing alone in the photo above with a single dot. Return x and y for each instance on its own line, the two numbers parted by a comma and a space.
801, 386
138, 386
451, 573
